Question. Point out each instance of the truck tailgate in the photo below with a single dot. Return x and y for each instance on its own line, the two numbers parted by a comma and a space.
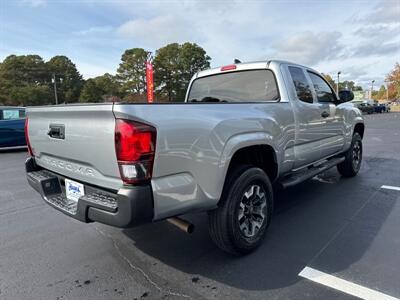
85, 149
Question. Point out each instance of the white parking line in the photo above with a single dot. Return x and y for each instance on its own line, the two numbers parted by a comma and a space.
343, 285
389, 187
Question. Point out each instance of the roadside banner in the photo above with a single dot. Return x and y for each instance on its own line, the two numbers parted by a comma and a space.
149, 80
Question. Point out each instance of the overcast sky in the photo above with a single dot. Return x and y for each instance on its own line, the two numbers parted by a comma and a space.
359, 38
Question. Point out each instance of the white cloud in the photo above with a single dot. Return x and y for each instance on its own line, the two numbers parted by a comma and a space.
35, 3
376, 39
254, 31
318, 34
368, 49
158, 31
224, 29
94, 30
378, 31
309, 48
385, 12
92, 69
354, 72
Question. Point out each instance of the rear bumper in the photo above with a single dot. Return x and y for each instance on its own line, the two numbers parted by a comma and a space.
128, 207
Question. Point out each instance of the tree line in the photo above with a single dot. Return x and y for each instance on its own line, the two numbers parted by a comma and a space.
346, 84
29, 80
389, 92
393, 84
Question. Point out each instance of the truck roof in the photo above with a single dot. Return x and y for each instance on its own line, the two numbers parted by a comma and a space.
248, 66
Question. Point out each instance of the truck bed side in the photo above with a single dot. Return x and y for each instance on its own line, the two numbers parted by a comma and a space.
195, 143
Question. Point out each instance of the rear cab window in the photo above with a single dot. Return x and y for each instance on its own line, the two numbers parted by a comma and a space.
301, 84
238, 86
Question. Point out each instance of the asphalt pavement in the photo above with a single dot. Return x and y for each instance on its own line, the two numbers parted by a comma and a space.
346, 228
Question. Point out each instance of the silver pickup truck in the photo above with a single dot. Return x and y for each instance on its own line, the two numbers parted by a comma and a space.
243, 128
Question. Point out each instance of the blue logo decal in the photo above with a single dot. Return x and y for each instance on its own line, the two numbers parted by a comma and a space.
74, 189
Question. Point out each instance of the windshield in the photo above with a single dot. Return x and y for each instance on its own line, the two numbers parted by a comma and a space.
242, 86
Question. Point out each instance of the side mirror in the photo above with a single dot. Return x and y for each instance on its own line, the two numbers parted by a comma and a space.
346, 95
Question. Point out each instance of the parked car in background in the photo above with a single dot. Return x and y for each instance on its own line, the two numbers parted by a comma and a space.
12, 122
385, 107
366, 108
379, 108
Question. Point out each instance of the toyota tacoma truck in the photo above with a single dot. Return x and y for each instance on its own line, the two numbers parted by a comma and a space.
242, 129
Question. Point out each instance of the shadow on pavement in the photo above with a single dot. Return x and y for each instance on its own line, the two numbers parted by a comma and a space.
306, 219
13, 150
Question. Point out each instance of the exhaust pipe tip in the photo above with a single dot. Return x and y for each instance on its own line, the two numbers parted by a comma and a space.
190, 229
183, 225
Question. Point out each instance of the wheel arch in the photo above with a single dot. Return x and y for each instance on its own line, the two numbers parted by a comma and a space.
359, 128
262, 156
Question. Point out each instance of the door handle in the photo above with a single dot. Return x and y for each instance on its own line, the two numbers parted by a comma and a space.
325, 114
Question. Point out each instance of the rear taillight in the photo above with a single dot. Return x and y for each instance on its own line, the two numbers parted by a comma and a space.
27, 137
135, 146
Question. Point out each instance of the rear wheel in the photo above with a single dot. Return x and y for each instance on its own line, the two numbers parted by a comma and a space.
353, 157
239, 224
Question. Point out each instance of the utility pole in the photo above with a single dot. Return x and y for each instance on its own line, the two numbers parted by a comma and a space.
53, 79
337, 86
60, 88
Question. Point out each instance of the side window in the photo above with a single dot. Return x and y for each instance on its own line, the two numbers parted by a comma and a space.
10, 114
22, 113
301, 84
322, 89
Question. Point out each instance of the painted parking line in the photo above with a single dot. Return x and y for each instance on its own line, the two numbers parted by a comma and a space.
343, 285
390, 187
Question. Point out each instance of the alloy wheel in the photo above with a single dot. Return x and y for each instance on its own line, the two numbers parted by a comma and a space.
252, 210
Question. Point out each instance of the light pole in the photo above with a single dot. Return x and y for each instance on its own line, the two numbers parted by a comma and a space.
337, 86
372, 87
61, 85
53, 80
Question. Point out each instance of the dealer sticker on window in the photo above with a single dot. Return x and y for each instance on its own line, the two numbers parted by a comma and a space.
74, 190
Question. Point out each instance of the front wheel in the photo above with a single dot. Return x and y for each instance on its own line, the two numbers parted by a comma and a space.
239, 224
353, 157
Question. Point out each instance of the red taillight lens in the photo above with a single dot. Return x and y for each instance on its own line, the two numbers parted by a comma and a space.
134, 145
27, 137
132, 141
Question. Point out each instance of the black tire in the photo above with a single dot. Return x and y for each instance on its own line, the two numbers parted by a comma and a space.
353, 158
224, 225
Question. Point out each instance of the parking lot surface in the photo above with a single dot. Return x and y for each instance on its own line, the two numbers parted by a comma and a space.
347, 228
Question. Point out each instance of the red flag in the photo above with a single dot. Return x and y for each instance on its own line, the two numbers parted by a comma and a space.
149, 80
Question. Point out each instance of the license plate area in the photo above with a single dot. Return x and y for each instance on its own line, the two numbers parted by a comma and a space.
74, 190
